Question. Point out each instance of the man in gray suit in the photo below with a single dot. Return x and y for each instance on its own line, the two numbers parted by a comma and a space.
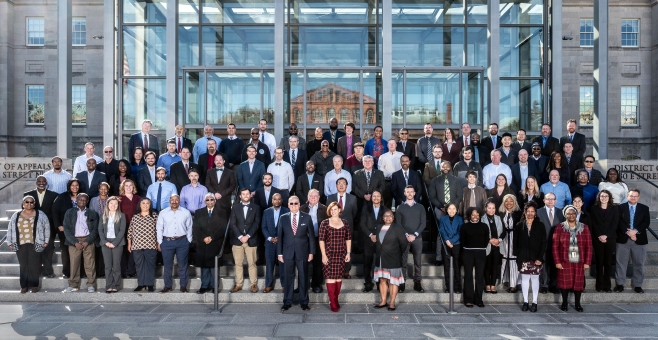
550, 216
344, 148
350, 211
292, 131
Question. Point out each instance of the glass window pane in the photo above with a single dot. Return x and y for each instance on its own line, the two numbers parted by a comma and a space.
144, 50
372, 99
521, 11
428, 46
233, 97
629, 33
521, 51
586, 105
188, 46
433, 98
188, 11
476, 49
238, 46
477, 11
629, 105
144, 99
521, 105
145, 11
472, 97
397, 98
79, 104
428, 12
35, 31
587, 32
330, 94
333, 12
268, 96
238, 12
78, 31
294, 98
35, 104
194, 91
333, 46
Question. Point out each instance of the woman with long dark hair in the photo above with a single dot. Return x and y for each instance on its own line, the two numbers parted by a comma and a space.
559, 163
529, 248
143, 243
390, 244
615, 186
604, 217
451, 147
124, 172
450, 227
63, 203
492, 265
139, 163
499, 191
474, 237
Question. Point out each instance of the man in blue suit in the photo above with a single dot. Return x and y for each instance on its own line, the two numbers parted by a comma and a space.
295, 247
403, 177
269, 223
250, 172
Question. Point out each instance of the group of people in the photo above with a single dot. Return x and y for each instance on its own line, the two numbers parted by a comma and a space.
530, 214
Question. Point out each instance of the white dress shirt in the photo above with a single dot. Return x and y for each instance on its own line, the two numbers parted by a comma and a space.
389, 163
283, 176
81, 163
269, 140
57, 181
491, 171
330, 179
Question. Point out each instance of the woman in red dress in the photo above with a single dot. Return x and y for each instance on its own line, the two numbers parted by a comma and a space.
572, 252
336, 245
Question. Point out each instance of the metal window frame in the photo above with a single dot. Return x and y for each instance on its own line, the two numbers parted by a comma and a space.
637, 107
73, 31
637, 34
28, 31
27, 104
580, 87
85, 87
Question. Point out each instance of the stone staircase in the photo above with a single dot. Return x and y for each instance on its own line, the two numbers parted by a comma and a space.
51, 289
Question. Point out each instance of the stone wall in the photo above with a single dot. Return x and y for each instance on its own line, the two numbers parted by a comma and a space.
646, 169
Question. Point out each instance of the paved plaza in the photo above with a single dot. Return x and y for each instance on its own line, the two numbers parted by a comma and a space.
354, 321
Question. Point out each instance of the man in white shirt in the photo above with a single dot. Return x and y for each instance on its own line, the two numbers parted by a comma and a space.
283, 177
338, 172
58, 178
266, 137
81, 161
390, 162
174, 235
201, 145
495, 168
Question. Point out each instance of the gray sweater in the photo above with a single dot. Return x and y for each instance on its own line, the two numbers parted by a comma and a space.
411, 218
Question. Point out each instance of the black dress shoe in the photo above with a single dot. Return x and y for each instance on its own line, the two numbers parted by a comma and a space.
183, 289
401, 288
564, 307
533, 308
50, 276
525, 307
367, 287
438, 263
379, 306
124, 276
285, 307
458, 290
306, 307
418, 287
317, 289
166, 290
553, 290
469, 305
607, 290
64, 276
639, 290
139, 288
579, 308
481, 304
296, 290
619, 288
201, 291
543, 290
151, 289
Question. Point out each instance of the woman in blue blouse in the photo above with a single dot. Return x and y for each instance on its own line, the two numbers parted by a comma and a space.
450, 226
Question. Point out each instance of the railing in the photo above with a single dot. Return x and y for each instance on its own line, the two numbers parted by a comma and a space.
652, 184
451, 304
221, 253
4, 238
21, 177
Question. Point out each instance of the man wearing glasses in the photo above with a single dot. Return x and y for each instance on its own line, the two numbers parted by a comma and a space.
539, 160
550, 216
292, 131
323, 159
109, 165
595, 176
406, 147
262, 150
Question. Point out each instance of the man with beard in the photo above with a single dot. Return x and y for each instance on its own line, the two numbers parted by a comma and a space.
548, 144
492, 141
480, 153
292, 131
201, 145
146, 176
540, 161
109, 166
308, 181
333, 135
207, 160
269, 224
56, 177
404, 177
232, 147
576, 139
91, 179
467, 164
180, 140
178, 173
425, 144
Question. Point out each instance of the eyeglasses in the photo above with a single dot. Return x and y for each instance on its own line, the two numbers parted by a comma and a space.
293, 129
28, 202
293, 203
536, 148
589, 161
325, 145
403, 133
254, 133
108, 151
210, 199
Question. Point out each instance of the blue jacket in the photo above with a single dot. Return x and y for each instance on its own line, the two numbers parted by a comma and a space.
450, 231
370, 144
253, 180
268, 223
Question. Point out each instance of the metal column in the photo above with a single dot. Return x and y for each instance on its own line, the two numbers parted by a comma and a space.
600, 126
64, 109
556, 68
493, 72
172, 66
279, 81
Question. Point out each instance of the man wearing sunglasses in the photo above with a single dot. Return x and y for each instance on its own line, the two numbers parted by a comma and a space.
292, 131
262, 150
595, 176
406, 147
109, 166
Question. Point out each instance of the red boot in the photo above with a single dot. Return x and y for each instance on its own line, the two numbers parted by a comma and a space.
331, 289
339, 284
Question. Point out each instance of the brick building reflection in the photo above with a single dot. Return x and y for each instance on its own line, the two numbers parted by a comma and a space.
332, 100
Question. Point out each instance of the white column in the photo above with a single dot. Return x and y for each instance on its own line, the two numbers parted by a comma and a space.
600, 126
556, 71
172, 67
493, 71
279, 64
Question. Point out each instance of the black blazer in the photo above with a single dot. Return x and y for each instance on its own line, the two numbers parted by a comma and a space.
136, 140
262, 154
295, 246
143, 181
360, 186
178, 176
552, 144
225, 187
389, 251
61, 205
640, 222
510, 159
368, 222
187, 143
526, 146
604, 224
516, 184
409, 151
350, 207
259, 197
436, 190
302, 188
333, 145
90, 189
240, 226
108, 169
300, 161
398, 184
579, 143
529, 247
202, 164
575, 163
488, 142
47, 206
204, 226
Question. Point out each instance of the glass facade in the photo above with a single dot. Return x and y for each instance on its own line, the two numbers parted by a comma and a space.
332, 63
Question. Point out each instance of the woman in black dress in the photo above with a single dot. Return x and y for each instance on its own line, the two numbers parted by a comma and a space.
389, 247
124, 173
474, 238
63, 203
529, 248
501, 190
336, 245
492, 266
604, 217
559, 163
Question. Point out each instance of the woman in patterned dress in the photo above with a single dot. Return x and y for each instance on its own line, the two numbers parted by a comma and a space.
510, 214
529, 248
389, 247
27, 234
572, 253
335, 245
142, 242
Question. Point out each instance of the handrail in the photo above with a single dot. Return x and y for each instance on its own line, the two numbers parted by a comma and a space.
648, 181
4, 238
20, 177
221, 253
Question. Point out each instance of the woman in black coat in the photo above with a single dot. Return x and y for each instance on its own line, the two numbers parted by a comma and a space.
604, 217
474, 238
389, 247
122, 174
529, 248
208, 230
63, 203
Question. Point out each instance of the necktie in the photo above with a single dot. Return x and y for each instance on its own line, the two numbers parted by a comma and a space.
340, 201
262, 137
209, 213
472, 197
187, 168
368, 179
294, 224
571, 138
632, 217
493, 140
477, 154
404, 145
222, 169
179, 145
333, 137
550, 216
544, 141
466, 141
146, 143
293, 158
438, 166
157, 207
429, 147
406, 178
446, 189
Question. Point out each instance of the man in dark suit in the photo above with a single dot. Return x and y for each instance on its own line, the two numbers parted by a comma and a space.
521, 143
318, 213
577, 139
538, 160
548, 144
292, 131
296, 157
632, 240
350, 210
43, 200
493, 141
480, 152
595, 176
222, 183
263, 195
433, 166
406, 147
345, 145
550, 216
109, 166
208, 229
207, 160
262, 150
179, 170
269, 224
146, 176
333, 135
250, 172
508, 154
518, 178
91, 179
367, 180
574, 161
244, 225
295, 249
467, 163
465, 139
180, 140
372, 215
145, 140
436, 193
309, 180
403, 177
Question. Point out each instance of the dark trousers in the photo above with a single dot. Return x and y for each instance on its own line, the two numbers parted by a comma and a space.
492, 267
604, 255
127, 262
29, 262
145, 266
64, 249
271, 262
208, 278
100, 262
316, 276
301, 263
416, 248
548, 276
455, 252
47, 256
368, 258
473, 259
112, 260
180, 248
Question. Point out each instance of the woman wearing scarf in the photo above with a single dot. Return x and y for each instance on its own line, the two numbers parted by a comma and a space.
510, 215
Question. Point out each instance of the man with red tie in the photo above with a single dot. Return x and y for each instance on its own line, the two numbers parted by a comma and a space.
466, 135
180, 140
179, 170
144, 139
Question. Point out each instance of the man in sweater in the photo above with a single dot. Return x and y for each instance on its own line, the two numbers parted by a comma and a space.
411, 215
232, 147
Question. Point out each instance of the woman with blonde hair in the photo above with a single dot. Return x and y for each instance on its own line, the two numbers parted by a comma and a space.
531, 193
335, 245
111, 232
510, 215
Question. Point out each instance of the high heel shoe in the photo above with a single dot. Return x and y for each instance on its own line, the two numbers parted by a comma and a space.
579, 308
379, 306
391, 308
564, 307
